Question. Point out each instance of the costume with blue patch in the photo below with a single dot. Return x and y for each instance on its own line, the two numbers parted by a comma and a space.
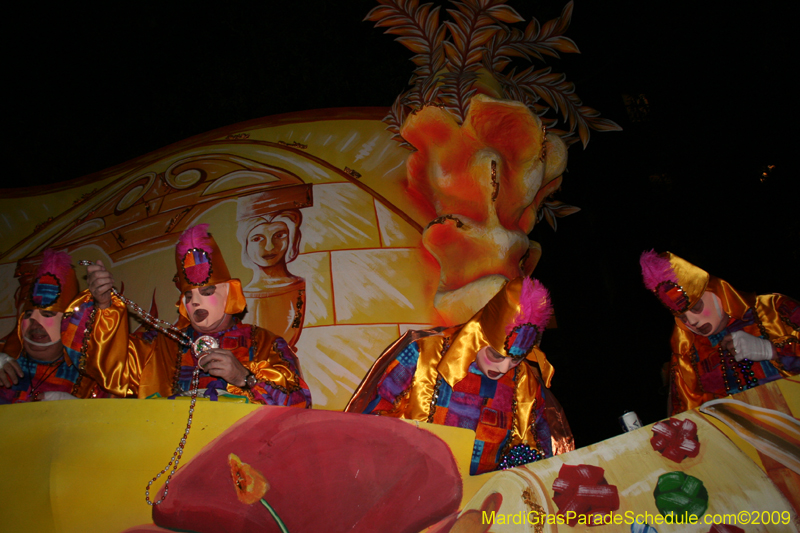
433, 376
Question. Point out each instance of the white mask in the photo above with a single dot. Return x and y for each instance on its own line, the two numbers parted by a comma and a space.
706, 317
206, 307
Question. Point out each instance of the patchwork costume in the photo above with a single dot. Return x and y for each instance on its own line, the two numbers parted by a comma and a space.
701, 369
144, 365
433, 376
54, 285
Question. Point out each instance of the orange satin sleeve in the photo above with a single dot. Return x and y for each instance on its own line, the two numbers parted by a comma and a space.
114, 359
525, 401
269, 364
369, 385
684, 383
561, 438
417, 403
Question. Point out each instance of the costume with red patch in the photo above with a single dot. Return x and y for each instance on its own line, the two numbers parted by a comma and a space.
151, 364
435, 376
702, 368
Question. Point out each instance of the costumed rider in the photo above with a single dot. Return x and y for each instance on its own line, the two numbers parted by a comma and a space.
724, 341
250, 361
34, 362
487, 375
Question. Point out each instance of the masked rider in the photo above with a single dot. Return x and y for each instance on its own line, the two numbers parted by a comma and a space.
34, 362
724, 341
249, 361
487, 375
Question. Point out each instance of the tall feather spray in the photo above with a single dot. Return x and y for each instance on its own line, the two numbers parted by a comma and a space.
535, 306
194, 237
198, 269
656, 269
55, 262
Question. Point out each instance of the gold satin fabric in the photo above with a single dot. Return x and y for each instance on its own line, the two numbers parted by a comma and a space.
735, 304
779, 331
415, 403
128, 366
268, 372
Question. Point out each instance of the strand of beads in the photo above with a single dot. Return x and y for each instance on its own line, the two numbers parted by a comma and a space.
161, 325
201, 345
746, 369
164, 327
729, 366
176, 457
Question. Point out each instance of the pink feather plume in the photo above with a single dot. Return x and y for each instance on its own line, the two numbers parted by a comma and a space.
656, 269
535, 306
194, 237
55, 262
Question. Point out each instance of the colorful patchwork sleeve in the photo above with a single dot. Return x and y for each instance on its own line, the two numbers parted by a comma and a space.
39, 379
279, 381
8, 396
395, 381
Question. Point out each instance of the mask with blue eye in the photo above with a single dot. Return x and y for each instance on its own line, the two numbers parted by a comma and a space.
521, 340
45, 291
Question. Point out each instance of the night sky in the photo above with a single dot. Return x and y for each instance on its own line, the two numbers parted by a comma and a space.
89, 89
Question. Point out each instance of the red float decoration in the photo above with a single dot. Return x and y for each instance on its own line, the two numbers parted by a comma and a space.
676, 439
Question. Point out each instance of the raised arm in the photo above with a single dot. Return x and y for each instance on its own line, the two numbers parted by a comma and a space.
96, 334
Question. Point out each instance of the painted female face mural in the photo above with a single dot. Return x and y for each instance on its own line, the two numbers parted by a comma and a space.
267, 244
270, 238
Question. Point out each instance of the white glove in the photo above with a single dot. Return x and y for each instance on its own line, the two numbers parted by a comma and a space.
750, 347
57, 395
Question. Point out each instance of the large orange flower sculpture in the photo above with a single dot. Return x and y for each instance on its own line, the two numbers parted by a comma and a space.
486, 180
